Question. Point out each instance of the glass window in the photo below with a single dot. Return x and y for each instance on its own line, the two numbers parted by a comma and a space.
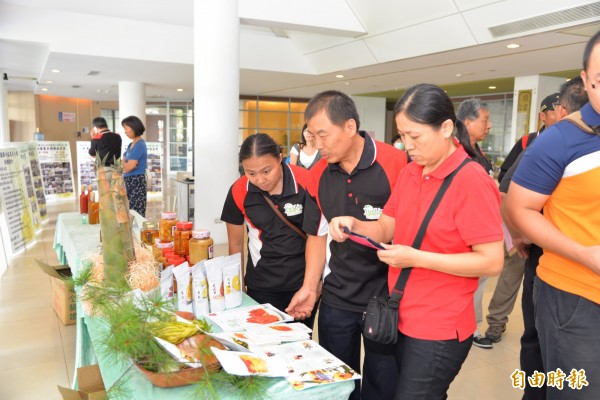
282, 119
248, 119
272, 120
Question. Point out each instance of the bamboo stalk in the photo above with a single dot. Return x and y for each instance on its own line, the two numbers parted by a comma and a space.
115, 222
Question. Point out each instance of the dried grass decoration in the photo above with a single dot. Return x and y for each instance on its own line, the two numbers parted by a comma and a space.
142, 272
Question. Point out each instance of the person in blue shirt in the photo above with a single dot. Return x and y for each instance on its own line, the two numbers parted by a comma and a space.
134, 164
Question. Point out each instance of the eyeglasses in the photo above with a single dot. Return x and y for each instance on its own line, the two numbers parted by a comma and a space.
554, 105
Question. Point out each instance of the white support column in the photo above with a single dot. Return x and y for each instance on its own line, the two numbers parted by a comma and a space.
216, 110
4, 126
132, 101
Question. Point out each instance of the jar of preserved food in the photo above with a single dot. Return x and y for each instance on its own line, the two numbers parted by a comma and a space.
149, 232
201, 246
93, 210
158, 246
181, 238
166, 225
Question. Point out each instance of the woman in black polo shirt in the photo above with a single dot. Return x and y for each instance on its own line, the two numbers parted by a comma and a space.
276, 261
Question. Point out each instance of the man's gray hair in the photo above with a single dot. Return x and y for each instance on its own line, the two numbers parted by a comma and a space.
469, 109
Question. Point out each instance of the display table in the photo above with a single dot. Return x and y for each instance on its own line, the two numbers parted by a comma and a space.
75, 243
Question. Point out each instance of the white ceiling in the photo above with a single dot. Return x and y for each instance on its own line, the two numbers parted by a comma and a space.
287, 48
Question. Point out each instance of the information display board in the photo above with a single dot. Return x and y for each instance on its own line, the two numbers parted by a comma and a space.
17, 223
57, 170
38, 185
86, 170
25, 166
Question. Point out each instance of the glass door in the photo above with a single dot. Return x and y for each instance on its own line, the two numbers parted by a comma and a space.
181, 127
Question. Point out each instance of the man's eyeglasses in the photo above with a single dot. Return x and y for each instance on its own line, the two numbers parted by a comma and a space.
554, 105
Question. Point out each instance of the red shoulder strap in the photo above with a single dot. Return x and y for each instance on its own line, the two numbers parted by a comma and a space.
239, 191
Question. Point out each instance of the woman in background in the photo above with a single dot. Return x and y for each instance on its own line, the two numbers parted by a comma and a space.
134, 164
305, 154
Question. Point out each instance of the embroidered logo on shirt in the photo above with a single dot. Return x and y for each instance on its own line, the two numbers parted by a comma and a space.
292, 209
372, 212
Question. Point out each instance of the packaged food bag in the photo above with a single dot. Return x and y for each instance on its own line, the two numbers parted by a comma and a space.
232, 280
166, 283
214, 276
184, 287
200, 289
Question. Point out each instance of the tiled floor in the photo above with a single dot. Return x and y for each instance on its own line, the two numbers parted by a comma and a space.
37, 352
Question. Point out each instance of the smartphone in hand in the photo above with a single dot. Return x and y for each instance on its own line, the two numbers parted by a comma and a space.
362, 239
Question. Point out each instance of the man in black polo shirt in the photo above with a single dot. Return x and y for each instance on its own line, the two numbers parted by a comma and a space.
105, 144
355, 177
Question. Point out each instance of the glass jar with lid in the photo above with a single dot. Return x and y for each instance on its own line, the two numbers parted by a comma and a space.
149, 232
201, 246
158, 246
166, 225
181, 238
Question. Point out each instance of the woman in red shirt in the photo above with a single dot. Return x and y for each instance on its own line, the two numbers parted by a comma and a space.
463, 241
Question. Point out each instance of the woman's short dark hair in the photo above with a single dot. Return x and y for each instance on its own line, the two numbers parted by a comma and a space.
587, 53
258, 145
338, 106
429, 105
136, 125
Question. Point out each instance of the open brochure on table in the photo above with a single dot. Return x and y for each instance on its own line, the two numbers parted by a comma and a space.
255, 336
304, 364
241, 318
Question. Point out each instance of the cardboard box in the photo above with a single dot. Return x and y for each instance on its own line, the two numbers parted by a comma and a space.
63, 299
91, 385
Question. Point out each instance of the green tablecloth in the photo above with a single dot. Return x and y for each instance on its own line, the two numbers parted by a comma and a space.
74, 243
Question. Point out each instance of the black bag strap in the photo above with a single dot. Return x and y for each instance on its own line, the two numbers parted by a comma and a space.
284, 219
398, 290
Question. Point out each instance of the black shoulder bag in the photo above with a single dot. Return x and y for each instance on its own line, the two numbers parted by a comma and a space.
381, 317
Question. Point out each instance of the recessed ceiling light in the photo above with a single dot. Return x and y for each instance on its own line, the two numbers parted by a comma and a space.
340, 76
56, 71
180, 90
513, 46
459, 75
49, 82
492, 87
44, 89
347, 83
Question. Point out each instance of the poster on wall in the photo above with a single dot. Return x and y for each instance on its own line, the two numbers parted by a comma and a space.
57, 170
25, 166
17, 221
154, 166
85, 167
